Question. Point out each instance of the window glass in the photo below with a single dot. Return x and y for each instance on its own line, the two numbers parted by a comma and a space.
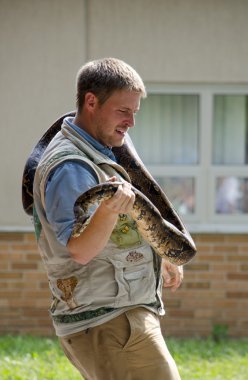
230, 132
167, 129
231, 195
180, 191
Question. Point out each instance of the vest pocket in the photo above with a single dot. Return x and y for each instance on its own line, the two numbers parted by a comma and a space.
135, 278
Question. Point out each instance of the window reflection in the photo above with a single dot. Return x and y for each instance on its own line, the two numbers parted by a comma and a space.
180, 191
231, 195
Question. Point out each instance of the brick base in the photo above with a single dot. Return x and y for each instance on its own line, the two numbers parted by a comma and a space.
214, 290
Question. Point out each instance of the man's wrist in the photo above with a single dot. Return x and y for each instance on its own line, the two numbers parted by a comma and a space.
107, 211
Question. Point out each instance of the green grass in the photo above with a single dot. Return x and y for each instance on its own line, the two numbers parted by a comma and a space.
210, 360
32, 358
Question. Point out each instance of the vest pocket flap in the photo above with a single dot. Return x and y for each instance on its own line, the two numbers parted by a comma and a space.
132, 258
136, 274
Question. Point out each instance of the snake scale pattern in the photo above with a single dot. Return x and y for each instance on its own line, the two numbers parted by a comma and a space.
156, 219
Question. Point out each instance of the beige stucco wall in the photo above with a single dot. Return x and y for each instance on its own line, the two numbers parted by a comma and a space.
174, 40
43, 43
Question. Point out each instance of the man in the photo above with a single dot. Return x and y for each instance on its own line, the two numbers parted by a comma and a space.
106, 283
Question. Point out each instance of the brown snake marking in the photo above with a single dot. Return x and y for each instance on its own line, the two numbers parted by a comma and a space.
155, 216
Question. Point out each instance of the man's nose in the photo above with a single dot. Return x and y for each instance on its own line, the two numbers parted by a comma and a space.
131, 121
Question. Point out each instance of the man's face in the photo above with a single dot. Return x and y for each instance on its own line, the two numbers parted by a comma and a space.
112, 120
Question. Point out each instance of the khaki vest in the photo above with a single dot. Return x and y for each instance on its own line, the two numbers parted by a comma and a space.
125, 274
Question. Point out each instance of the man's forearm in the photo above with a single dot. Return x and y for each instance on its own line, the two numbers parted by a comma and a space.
95, 236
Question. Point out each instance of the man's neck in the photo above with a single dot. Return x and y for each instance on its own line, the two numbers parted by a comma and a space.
83, 122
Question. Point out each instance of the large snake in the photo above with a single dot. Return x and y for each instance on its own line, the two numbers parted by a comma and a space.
154, 214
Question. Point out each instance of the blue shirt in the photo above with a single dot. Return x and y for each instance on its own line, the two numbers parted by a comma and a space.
66, 183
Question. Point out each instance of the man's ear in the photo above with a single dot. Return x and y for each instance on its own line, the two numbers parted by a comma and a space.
90, 101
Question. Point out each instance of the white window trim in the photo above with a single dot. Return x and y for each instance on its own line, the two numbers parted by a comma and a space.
205, 219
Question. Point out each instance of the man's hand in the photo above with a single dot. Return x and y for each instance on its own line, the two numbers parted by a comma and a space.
172, 275
122, 201
95, 236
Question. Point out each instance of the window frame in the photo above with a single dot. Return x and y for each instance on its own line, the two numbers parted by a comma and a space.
204, 219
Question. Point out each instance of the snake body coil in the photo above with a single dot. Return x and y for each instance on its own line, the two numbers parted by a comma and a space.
155, 216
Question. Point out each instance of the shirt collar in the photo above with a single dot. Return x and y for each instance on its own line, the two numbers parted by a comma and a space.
101, 148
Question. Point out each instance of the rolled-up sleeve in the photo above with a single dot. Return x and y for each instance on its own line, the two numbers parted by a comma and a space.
65, 184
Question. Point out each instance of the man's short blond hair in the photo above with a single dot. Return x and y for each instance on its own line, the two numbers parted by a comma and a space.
104, 76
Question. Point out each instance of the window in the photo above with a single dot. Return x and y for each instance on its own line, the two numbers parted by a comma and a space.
194, 140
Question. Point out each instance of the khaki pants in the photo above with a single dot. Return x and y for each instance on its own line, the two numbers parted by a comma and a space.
129, 347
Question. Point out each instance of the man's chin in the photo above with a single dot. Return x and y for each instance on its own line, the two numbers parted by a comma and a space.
118, 144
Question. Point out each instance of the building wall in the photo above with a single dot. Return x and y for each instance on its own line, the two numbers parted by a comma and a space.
214, 290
